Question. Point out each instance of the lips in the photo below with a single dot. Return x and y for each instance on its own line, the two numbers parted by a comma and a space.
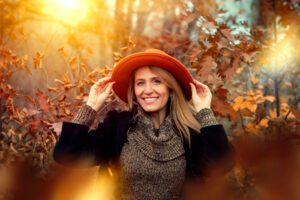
150, 100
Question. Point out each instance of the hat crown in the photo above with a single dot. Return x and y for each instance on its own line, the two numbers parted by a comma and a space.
155, 51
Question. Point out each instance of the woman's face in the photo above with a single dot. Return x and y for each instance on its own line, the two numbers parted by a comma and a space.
150, 90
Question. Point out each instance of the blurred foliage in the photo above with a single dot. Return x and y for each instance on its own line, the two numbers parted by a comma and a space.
47, 66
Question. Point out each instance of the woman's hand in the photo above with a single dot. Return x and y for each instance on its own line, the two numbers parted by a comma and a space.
201, 95
99, 93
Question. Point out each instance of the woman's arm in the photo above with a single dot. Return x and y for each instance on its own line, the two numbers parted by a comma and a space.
77, 145
211, 147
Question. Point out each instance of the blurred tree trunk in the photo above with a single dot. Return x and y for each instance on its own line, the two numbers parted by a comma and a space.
143, 11
266, 12
123, 23
119, 16
170, 19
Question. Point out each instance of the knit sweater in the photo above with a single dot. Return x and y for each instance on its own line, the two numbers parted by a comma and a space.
152, 166
152, 161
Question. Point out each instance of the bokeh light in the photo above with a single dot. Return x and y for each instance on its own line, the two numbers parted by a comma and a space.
70, 12
282, 54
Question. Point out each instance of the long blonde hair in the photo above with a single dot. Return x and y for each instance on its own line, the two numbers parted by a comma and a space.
182, 111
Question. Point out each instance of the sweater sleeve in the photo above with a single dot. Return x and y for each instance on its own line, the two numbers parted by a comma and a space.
206, 117
210, 149
77, 146
85, 115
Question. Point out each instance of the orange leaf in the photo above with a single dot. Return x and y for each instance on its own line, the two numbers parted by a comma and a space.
37, 60
73, 61
264, 123
254, 80
66, 79
246, 112
30, 99
269, 98
62, 51
223, 108
52, 89
295, 112
59, 81
43, 101
227, 33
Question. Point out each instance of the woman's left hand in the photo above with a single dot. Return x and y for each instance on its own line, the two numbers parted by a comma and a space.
201, 95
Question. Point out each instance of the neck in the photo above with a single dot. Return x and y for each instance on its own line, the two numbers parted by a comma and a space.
158, 117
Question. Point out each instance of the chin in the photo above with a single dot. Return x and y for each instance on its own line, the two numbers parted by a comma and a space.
149, 109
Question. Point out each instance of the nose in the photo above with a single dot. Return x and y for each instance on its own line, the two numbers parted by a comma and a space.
148, 89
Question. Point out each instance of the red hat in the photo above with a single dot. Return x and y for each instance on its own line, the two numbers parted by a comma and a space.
152, 57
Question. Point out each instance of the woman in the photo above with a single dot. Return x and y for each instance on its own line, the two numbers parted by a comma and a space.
162, 141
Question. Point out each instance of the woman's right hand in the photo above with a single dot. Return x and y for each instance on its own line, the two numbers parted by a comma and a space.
99, 93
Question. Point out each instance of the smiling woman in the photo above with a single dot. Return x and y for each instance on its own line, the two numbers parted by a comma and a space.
168, 136
151, 92
69, 11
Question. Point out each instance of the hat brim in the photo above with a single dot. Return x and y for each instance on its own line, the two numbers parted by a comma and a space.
125, 68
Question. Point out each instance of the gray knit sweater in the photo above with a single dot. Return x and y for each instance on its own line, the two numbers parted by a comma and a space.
152, 162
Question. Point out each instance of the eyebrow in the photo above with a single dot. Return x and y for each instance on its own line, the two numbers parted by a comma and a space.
153, 77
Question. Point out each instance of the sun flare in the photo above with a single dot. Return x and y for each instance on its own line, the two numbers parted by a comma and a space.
68, 11
282, 54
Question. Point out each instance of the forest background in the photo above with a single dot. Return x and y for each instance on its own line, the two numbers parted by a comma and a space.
246, 51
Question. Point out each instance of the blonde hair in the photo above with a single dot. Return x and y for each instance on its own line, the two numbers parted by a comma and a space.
182, 111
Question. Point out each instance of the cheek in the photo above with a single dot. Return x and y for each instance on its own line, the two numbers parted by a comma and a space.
137, 92
166, 92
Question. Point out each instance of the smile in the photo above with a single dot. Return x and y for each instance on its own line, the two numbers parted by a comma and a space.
150, 100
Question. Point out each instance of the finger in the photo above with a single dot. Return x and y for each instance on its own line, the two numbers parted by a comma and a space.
198, 83
194, 91
108, 88
103, 80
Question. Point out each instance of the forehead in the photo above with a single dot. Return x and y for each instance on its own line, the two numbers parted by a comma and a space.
144, 72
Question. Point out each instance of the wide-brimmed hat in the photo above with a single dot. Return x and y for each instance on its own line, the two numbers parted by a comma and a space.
125, 68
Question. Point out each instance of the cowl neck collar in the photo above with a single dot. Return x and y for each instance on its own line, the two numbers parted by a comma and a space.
161, 144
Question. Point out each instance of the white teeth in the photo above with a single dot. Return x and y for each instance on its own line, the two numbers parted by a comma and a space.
150, 99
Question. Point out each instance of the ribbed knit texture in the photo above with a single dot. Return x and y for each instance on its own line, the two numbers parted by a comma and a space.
206, 117
86, 115
152, 167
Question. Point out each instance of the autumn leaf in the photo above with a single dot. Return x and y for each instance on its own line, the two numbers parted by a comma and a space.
84, 67
269, 98
238, 103
222, 92
264, 123
246, 112
73, 61
117, 56
37, 60
59, 81
223, 108
227, 33
30, 99
52, 89
62, 51
43, 101
254, 80
207, 64
295, 112
209, 25
251, 128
